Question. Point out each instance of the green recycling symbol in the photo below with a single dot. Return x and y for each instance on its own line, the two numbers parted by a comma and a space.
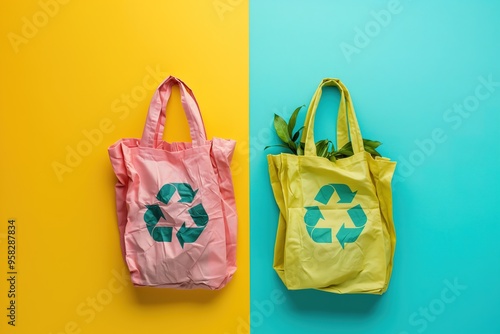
185, 234
344, 234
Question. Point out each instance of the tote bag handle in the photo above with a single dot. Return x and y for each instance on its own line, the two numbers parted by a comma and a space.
347, 124
155, 122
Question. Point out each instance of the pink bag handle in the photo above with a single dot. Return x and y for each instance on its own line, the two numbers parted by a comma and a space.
155, 122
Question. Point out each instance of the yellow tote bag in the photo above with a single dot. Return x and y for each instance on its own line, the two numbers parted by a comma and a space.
335, 230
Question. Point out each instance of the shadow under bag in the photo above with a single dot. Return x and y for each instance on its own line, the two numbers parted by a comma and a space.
335, 230
175, 201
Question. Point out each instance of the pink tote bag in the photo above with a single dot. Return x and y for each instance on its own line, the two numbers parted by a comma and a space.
175, 201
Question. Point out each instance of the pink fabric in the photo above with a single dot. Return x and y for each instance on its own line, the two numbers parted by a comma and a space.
143, 167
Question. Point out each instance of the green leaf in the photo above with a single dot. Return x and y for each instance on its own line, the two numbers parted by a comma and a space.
293, 120
372, 151
281, 129
290, 140
322, 148
296, 134
371, 143
333, 146
347, 146
346, 150
300, 149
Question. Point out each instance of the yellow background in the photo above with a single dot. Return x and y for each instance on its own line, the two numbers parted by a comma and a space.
70, 75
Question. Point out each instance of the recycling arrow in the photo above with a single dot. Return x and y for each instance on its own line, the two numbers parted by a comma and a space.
320, 234
200, 218
344, 192
184, 190
185, 234
152, 217
351, 234
345, 234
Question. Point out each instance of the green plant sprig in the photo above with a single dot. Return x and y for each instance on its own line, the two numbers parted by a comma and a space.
324, 148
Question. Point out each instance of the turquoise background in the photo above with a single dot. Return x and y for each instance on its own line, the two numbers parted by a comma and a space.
405, 80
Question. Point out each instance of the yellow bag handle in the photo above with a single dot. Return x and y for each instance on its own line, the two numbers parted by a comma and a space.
347, 124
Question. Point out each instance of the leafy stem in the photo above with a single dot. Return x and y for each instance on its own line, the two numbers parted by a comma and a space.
324, 148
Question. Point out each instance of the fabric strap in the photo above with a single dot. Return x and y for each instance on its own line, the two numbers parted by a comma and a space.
347, 124
155, 122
